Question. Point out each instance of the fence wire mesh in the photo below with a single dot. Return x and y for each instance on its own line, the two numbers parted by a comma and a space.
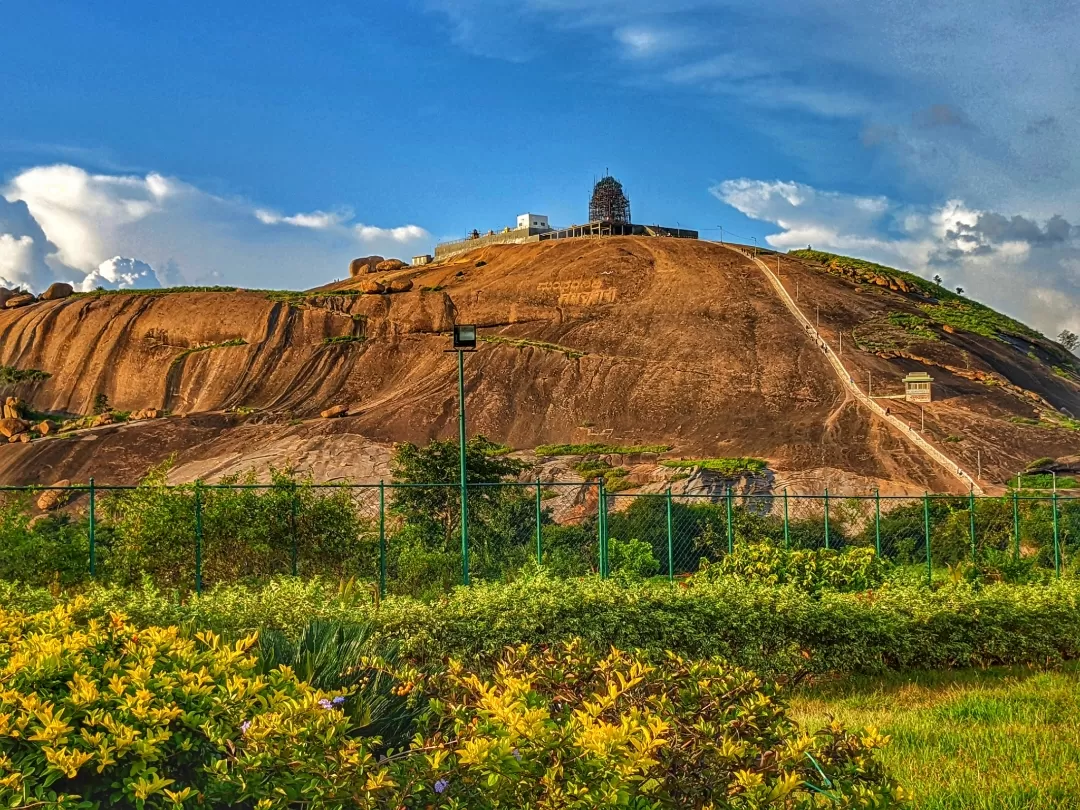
408, 539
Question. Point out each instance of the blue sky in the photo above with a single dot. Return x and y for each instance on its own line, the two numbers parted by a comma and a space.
266, 144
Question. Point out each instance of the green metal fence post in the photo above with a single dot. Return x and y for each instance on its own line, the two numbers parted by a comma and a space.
292, 531
382, 540
730, 527
971, 517
539, 525
93, 530
877, 522
670, 542
827, 543
926, 534
1016, 526
602, 498
198, 537
787, 525
1057, 537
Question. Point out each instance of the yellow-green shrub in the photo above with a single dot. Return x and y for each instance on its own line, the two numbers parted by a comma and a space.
104, 714
565, 727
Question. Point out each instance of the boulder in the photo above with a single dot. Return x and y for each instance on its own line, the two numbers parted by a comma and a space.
13, 427
365, 264
389, 264
19, 300
5, 294
102, 419
372, 287
335, 412
147, 413
400, 285
45, 428
12, 408
946, 328
57, 291
53, 498
23, 437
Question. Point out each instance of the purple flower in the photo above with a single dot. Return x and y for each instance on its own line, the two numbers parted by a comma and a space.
326, 704
338, 701
442, 785
517, 754
245, 726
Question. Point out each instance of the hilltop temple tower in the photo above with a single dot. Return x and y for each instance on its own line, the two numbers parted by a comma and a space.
609, 203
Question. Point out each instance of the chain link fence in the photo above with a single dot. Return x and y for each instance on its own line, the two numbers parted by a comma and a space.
409, 539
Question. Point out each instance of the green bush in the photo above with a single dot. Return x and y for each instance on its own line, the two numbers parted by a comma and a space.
631, 560
771, 629
248, 531
47, 550
854, 570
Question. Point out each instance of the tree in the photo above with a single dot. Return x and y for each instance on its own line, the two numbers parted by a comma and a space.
1070, 340
437, 508
101, 404
937, 280
959, 290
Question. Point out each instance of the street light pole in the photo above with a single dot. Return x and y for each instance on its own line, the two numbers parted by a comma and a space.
464, 341
461, 453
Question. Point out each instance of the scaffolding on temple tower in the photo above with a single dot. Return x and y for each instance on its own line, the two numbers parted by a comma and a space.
609, 202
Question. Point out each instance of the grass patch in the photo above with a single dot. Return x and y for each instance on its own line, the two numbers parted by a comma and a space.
950, 309
436, 288
1045, 481
971, 740
207, 347
545, 450
526, 343
158, 291
340, 339
614, 477
724, 466
299, 297
9, 375
1047, 422
915, 325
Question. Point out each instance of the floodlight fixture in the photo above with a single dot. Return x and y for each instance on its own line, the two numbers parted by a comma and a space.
464, 337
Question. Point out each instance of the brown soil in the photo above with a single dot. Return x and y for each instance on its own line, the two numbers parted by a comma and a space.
625, 340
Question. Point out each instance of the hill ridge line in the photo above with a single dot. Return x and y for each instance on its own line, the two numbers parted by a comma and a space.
849, 382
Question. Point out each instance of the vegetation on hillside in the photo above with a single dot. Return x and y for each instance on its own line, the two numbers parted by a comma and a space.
940, 304
9, 375
154, 291
728, 467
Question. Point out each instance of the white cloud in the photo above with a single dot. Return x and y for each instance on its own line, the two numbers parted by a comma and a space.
16, 255
406, 233
77, 221
316, 220
78, 209
119, 273
1016, 264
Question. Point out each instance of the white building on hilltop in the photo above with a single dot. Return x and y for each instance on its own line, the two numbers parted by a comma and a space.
533, 222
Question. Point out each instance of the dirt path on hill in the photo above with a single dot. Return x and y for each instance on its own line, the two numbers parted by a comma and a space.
850, 386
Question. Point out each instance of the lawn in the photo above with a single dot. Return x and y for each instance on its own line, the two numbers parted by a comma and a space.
968, 739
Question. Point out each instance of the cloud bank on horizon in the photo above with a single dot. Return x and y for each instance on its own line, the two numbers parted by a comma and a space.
63, 223
1028, 269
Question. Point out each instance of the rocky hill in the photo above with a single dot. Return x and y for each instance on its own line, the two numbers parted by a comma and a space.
618, 342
